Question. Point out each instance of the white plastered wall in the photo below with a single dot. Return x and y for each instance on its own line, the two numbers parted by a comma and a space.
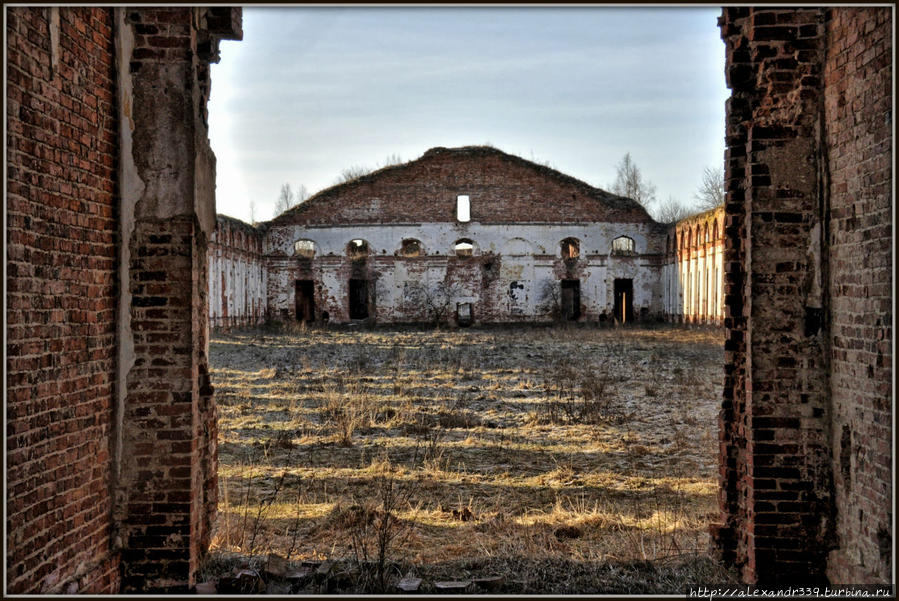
529, 257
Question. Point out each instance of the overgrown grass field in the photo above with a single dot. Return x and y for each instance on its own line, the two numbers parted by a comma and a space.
433, 453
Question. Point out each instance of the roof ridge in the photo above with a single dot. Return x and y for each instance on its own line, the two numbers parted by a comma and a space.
613, 201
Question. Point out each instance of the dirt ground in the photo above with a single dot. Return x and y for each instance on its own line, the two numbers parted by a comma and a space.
448, 454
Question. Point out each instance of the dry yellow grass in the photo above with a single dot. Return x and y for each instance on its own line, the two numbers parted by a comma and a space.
569, 444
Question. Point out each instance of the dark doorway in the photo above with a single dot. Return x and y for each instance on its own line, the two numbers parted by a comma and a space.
571, 300
305, 300
358, 299
624, 300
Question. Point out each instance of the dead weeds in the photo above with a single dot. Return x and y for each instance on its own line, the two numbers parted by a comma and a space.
557, 448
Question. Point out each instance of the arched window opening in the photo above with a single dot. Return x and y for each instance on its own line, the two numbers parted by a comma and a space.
706, 233
357, 249
623, 245
412, 248
304, 249
463, 247
517, 247
571, 248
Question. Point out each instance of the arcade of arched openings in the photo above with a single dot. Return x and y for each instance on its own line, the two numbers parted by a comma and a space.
692, 273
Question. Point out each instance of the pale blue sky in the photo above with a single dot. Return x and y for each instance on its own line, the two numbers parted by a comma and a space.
312, 91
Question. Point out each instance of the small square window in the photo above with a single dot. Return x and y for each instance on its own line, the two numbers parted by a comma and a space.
463, 208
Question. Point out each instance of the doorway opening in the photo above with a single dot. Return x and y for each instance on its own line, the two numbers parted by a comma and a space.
305, 300
358, 299
624, 300
571, 300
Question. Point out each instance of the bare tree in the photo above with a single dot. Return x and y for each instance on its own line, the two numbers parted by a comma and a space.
630, 183
286, 199
351, 173
710, 193
356, 171
551, 299
302, 194
436, 301
671, 210
392, 159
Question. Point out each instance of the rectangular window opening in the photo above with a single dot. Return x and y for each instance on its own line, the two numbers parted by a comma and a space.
463, 208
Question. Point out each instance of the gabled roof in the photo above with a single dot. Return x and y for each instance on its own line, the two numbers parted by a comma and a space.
325, 206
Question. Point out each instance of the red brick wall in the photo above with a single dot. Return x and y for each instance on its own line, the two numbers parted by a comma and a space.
61, 300
168, 476
805, 432
502, 188
858, 103
776, 491
168, 413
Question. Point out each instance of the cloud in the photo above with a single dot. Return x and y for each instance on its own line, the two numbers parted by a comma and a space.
310, 91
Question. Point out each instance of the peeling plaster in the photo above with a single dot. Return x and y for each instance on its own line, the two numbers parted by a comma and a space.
513, 289
131, 189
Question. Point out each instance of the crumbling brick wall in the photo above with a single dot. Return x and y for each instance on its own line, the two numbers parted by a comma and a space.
858, 121
503, 188
61, 299
166, 478
237, 274
807, 253
109, 210
520, 214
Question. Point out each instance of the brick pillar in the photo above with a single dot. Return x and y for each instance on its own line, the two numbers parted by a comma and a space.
775, 471
166, 458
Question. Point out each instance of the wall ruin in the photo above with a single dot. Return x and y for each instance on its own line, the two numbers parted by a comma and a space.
237, 274
111, 426
805, 432
693, 273
61, 299
521, 213
107, 296
513, 274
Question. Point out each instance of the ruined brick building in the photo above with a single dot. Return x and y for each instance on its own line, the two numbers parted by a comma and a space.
111, 430
237, 274
468, 235
693, 269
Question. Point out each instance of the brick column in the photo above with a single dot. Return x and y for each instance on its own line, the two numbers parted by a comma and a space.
775, 472
166, 457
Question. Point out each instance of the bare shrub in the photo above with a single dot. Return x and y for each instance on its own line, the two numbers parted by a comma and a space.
435, 300
348, 410
458, 419
578, 397
431, 451
374, 527
263, 508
